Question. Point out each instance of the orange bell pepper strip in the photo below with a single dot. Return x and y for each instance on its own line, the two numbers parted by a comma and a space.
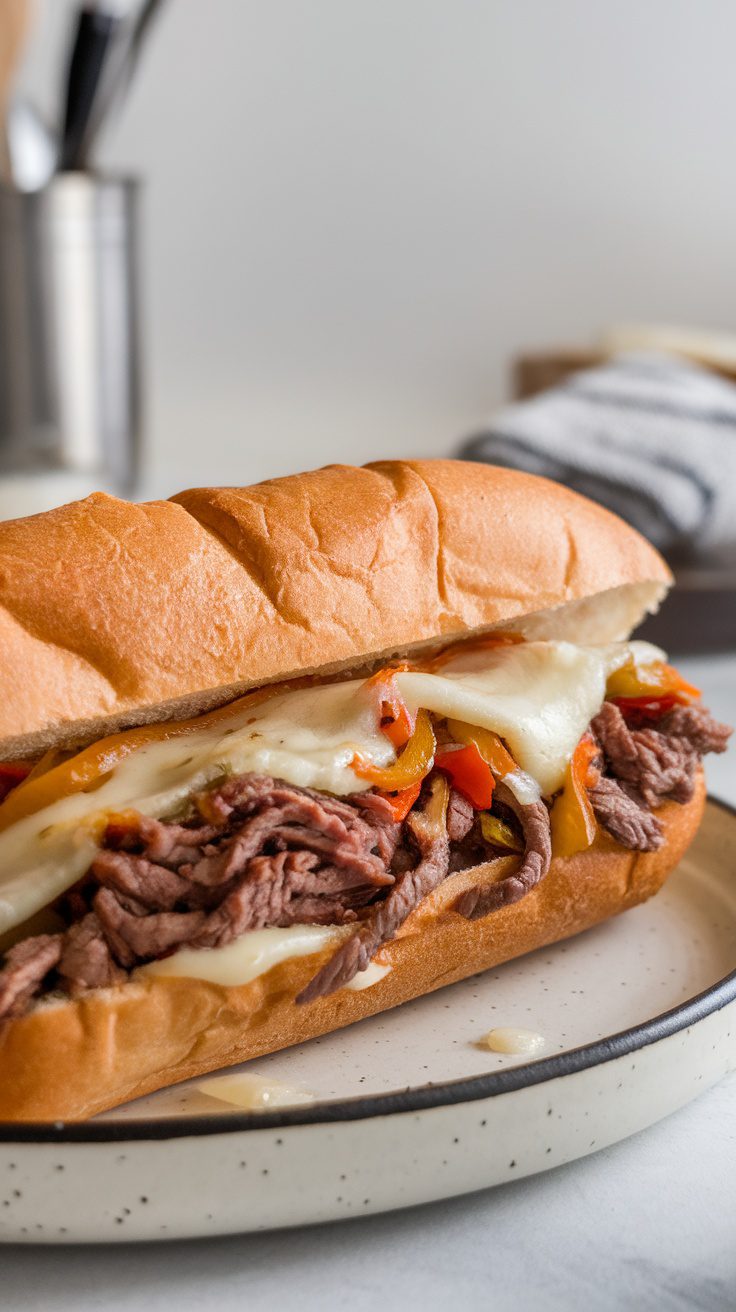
413, 764
656, 681
54, 756
469, 773
396, 722
489, 745
572, 819
402, 802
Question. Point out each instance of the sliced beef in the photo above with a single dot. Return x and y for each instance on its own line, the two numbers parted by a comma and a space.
460, 817
247, 794
150, 886
665, 768
659, 760
655, 765
26, 967
388, 915
135, 938
273, 854
86, 961
697, 727
217, 865
534, 820
345, 849
376, 810
352, 834
262, 852
164, 842
276, 891
625, 816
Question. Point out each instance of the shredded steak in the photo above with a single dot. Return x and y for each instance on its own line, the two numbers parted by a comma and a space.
285, 889
696, 726
86, 961
135, 938
271, 854
387, 916
659, 760
262, 852
164, 842
147, 886
460, 817
534, 820
625, 816
647, 765
26, 967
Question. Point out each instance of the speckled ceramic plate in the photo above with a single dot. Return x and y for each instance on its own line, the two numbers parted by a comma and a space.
638, 1016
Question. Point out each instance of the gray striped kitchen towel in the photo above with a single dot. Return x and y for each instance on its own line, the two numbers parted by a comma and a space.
651, 436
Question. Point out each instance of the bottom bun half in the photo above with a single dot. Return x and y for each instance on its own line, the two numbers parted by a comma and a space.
69, 1060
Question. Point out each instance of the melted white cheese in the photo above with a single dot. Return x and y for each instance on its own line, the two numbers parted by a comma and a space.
516, 1042
539, 696
365, 979
247, 957
257, 952
254, 1093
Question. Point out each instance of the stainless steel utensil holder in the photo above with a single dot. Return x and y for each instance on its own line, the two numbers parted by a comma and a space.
69, 339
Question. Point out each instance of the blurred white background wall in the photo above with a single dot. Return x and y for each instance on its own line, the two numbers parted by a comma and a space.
356, 211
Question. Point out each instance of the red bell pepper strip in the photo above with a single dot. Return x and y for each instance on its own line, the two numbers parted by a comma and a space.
489, 745
637, 709
402, 802
469, 773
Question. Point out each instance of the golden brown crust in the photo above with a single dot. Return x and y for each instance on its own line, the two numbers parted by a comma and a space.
113, 613
78, 1058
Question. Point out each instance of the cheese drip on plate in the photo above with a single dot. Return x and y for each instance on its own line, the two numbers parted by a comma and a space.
538, 696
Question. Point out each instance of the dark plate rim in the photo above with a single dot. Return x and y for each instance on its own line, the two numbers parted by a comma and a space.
473, 1089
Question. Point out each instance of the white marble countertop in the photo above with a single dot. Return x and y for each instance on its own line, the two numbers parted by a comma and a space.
647, 1224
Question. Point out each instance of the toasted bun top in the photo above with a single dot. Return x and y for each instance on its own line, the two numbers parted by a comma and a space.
113, 613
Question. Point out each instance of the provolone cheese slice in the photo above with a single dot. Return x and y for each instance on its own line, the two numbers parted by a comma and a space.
539, 696
247, 957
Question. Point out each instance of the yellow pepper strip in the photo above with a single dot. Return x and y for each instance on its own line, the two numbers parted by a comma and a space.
496, 831
573, 822
489, 745
654, 680
413, 764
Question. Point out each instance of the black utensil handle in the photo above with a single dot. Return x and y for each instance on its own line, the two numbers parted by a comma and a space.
118, 75
95, 30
